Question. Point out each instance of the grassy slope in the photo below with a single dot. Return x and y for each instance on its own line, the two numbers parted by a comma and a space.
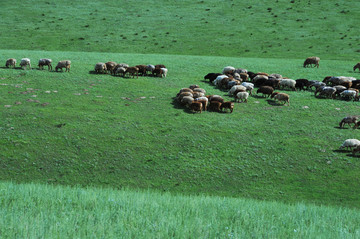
260, 151
41, 211
281, 29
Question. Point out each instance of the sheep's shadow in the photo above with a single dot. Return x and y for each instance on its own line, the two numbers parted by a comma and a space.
274, 103
353, 155
96, 73
259, 97
338, 127
340, 151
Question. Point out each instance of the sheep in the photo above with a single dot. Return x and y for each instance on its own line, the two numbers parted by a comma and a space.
265, 90
100, 68
142, 69
243, 96
10, 62
339, 89
357, 66
350, 143
301, 83
63, 64
348, 120
249, 86
25, 62
196, 106
228, 70
150, 68
187, 100
159, 66
160, 72
244, 76
203, 100
45, 62
211, 76
186, 90
215, 106
273, 82
237, 77
316, 84
124, 66
231, 83
259, 80
227, 105
110, 66
349, 94
163, 72
314, 60
219, 78
240, 70
326, 91
215, 98
132, 71
194, 86
289, 83
199, 90
197, 94
281, 97
236, 87
356, 149
277, 76
181, 95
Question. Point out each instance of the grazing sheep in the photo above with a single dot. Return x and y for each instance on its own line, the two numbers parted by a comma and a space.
203, 100
142, 69
357, 66
219, 78
249, 86
265, 90
194, 86
63, 64
287, 83
273, 82
211, 76
350, 143
163, 72
122, 71
45, 62
349, 94
277, 76
348, 120
259, 80
316, 84
110, 67
243, 96
181, 95
150, 68
215, 106
196, 107
10, 62
215, 98
228, 70
187, 100
100, 68
241, 70
326, 91
281, 97
228, 105
339, 89
197, 94
356, 149
236, 87
160, 72
244, 76
199, 90
314, 60
25, 62
301, 84
186, 90
132, 71
159, 66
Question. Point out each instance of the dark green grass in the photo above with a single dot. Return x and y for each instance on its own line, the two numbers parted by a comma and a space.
281, 29
113, 137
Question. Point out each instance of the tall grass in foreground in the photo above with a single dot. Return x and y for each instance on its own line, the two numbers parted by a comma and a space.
42, 211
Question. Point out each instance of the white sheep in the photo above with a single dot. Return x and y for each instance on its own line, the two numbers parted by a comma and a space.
243, 96
289, 83
277, 76
25, 62
349, 94
235, 88
228, 70
249, 86
150, 68
350, 143
163, 72
120, 71
10, 62
219, 79
187, 100
240, 70
100, 67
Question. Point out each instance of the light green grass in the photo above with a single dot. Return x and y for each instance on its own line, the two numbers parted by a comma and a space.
121, 140
261, 29
40, 211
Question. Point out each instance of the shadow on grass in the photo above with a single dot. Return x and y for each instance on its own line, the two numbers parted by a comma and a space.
275, 103
353, 155
341, 151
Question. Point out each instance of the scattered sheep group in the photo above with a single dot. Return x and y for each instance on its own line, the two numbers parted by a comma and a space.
124, 69
25, 63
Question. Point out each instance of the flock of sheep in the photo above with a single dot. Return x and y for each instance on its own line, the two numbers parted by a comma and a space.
122, 69
25, 63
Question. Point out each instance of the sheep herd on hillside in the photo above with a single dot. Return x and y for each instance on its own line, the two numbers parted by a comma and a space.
124, 69
25, 63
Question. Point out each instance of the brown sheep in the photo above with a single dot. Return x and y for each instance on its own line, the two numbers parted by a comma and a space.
215, 106
132, 71
196, 106
348, 120
45, 62
357, 66
142, 69
265, 90
227, 105
10, 62
314, 60
110, 67
281, 97
63, 64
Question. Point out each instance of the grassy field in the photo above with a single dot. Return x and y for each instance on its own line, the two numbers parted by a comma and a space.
38, 211
125, 132
281, 29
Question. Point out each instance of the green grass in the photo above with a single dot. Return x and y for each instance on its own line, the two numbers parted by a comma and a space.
40, 211
281, 29
115, 138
